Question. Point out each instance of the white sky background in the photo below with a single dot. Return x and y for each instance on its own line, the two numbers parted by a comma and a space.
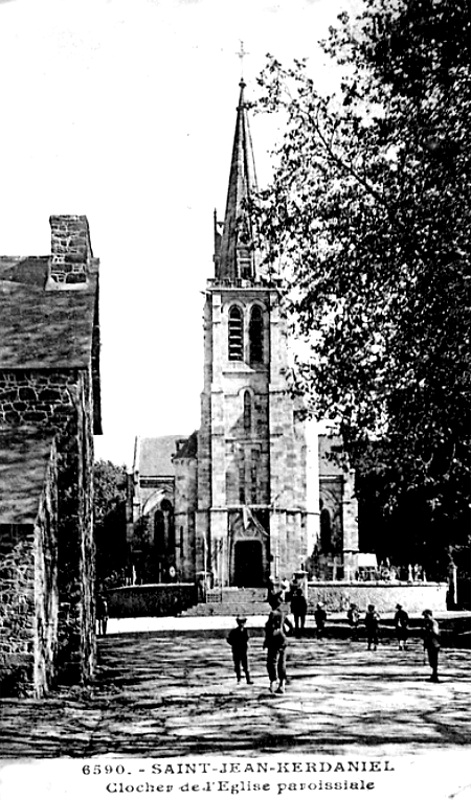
124, 110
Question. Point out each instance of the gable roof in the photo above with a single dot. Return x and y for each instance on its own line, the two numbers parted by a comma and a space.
24, 457
154, 456
41, 329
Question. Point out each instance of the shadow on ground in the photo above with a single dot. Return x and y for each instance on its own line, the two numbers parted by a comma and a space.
176, 695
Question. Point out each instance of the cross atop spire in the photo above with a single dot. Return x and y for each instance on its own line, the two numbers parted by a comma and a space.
241, 54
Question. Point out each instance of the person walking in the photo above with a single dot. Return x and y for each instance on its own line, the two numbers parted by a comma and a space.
299, 610
238, 639
353, 616
431, 638
372, 626
401, 621
276, 629
320, 616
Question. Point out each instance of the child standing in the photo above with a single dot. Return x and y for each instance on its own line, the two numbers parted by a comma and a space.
320, 615
239, 641
431, 637
298, 610
276, 643
401, 621
353, 616
372, 626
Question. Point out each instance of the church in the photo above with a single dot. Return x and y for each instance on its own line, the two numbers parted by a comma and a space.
254, 492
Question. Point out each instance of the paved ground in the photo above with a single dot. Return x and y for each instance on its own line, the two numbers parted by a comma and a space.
173, 693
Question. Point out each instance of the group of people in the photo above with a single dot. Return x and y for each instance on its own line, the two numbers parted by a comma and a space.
371, 622
294, 594
430, 631
278, 627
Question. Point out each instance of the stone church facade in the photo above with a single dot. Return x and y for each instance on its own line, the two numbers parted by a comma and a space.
242, 498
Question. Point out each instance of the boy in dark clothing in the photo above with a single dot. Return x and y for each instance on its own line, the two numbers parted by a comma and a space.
298, 610
353, 616
102, 615
275, 642
275, 598
372, 626
239, 641
401, 621
431, 637
320, 616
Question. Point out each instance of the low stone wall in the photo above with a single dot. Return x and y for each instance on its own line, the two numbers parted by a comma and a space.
415, 597
151, 600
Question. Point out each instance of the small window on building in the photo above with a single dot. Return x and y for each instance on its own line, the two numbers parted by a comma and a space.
236, 335
256, 335
247, 411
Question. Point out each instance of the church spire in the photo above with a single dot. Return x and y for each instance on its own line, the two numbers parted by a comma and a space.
234, 253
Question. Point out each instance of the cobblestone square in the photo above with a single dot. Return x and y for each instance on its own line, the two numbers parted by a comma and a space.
174, 693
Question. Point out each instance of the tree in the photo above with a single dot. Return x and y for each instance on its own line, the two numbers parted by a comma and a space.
369, 208
109, 509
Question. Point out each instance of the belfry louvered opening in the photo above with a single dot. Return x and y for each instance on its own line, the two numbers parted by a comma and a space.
256, 335
236, 334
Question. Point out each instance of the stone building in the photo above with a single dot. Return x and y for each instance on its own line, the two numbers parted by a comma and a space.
49, 411
241, 499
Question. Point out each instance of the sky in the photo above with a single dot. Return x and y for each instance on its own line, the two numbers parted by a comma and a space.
125, 111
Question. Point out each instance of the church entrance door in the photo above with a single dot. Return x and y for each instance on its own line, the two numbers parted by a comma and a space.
248, 564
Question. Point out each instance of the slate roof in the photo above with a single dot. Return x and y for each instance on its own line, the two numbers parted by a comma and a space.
41, 329
189, 447
154, 456
24, 456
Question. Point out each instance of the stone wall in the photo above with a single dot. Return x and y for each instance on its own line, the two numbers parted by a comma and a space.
151, 600
77, 645
415, 597
46, 589
60, 402
185, 504
29, 593
37, 398
17, 624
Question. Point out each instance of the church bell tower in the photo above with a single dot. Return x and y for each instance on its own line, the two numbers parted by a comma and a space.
255, 487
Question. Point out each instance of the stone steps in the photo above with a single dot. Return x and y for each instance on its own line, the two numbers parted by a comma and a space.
230, 603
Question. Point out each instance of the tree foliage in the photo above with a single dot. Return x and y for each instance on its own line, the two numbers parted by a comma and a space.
109, 509
369, 208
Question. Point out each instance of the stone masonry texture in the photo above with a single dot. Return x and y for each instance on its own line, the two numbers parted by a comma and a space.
49, 391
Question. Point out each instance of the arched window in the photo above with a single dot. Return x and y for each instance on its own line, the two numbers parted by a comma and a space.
256, 335
164, 531
247, 411
326, 530
236, 335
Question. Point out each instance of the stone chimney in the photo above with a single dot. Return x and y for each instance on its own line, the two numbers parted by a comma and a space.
71, 252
